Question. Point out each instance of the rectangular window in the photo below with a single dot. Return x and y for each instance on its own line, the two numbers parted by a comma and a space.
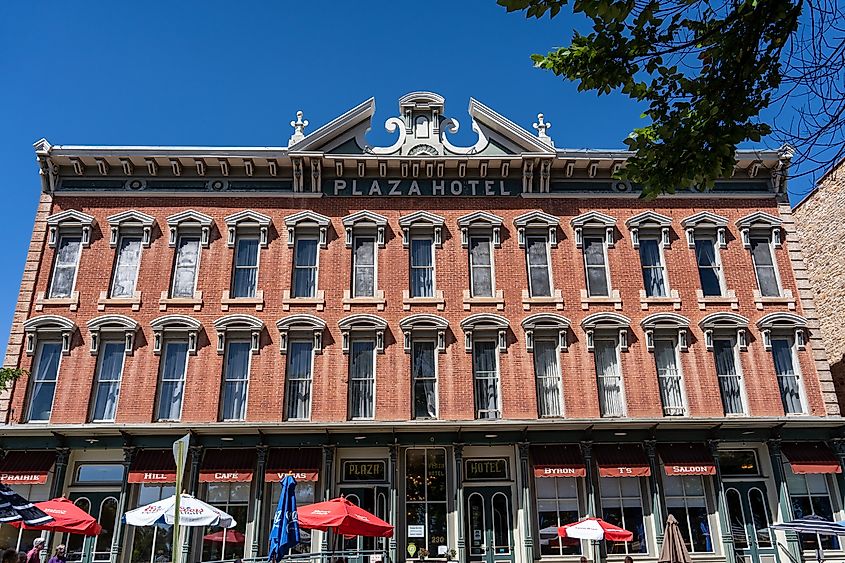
245, 279
422, 267
596, 266
709, 268
485, 370
557, 504
481, 266
788, 377
362, 379
65, 265
609, 377
298, 376
364, 267
305, 267
730, 381
686, 500
185, 267
150, 542
233, 499
424, 373
669, 377
42, 387
654, 272
809, 495
622, 506
305, 494
539, 273
174, 363
236, 379
107, 386
126, 266
764, 266
426, 496
547, 372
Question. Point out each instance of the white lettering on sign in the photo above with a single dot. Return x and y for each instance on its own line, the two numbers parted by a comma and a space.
375, 189
157, 476
559, 470
355, 188
394, 187
695, 469
437, 187
339, 186
17, 478
226, 475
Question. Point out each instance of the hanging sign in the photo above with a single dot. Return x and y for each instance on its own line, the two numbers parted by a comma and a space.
362, 471
486, 469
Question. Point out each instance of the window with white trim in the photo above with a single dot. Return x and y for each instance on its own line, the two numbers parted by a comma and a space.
362, 378
305, 257
107, 383
788, 373
245, 267
186, 266
298, 378
482, 282
729, 375
42, 380
65, 265
171, 387
709, 267
485, 373
765, 267
547, 374
810, 495
126, 265
364, 266
235, 379
609, 376
539, 270
151, 542
686, 500
424, 378
669, 376
622, 505
557, 505
422, 266
653, 267
365, 234
595, 264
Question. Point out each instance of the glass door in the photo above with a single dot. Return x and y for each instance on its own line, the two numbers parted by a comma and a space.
103, 507
365, 497
489, 524
750, 517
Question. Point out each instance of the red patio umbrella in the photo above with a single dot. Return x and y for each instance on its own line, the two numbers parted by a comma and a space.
343, 517
232, 536
67, 518
594, 529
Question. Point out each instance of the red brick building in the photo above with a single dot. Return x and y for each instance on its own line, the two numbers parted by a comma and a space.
477, 343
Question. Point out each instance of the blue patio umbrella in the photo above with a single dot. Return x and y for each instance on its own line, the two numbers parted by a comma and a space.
285, 532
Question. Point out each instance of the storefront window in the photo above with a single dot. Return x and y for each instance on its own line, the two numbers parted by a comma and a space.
685, 500
557, 504
809, 495
99, 473
217, 543
14, 538
738, 462
622, 505
152, 544
425, 493
305, 491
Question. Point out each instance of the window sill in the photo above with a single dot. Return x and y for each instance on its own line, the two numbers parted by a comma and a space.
787, 299
498, 301
555, 299
196, 302
106, 301
71, 302
728, 299
376, 300
257, 301
318, 301
673, 299
436, 301
613, 299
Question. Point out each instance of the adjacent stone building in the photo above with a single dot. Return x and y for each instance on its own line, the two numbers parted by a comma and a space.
478, 343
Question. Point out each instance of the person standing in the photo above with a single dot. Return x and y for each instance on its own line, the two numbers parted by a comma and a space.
34, 554
59, 556
10, 556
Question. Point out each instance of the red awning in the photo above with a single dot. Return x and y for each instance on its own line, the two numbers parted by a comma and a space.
21, 467
558, 461
687, 459
623, 460
302, 463
813, 457
153, 466
227, 466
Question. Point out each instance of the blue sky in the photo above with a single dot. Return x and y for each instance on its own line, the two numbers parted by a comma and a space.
225, 73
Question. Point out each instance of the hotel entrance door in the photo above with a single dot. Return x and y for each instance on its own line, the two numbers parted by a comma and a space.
489, 524
749, 514
373, 499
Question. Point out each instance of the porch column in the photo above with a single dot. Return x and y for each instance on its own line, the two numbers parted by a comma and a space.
525, 482
117, 541
593, 505
57, 487
328, 480
195, 457
838, 447
776, 456
258, 504
721, 505
459, 500
656, 483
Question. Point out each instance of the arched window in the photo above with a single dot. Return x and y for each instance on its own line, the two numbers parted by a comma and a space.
548, 325
371, 325
362, 338
299, 326
784, 334
238, 325
724, 333
175, 325
607, 334
111, 326
486, 337
424, 338
665, 334
51, 326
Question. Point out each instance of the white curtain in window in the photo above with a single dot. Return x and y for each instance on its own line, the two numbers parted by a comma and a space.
729, 379
171, 388
299, 379
126, 267
235, 382
364, 260
790, 391
44, 381
246, 268
538, 267
422, 268
654, 279
486, 377
548, 378
108, 380
609, 378
305, 268
185, 272
64, 270
361, 379
669, 377
482, 267
424, 380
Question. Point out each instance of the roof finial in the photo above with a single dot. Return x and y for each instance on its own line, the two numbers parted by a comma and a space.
298, 126
542, 126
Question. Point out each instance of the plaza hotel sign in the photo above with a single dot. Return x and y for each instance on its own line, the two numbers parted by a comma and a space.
434, 187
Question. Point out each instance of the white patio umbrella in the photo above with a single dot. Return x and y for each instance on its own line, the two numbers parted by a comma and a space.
193, 512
